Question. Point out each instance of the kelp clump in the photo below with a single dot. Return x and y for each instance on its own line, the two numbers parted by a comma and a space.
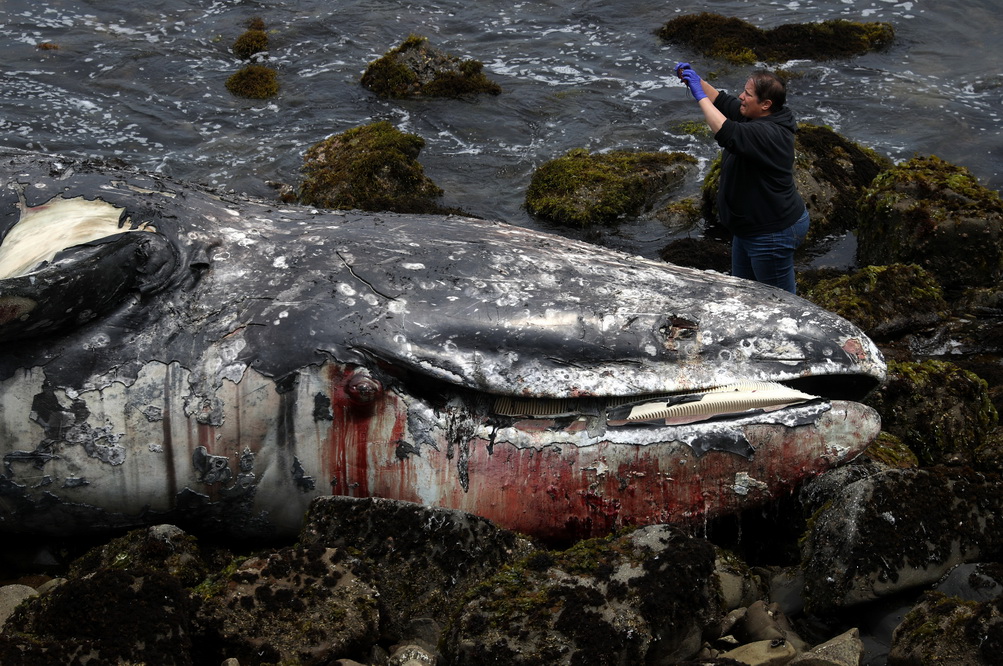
740, 42
936, 214
581, 188
417, 69
373, 167
252, 41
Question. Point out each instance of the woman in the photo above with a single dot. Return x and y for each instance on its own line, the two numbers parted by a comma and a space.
757, 199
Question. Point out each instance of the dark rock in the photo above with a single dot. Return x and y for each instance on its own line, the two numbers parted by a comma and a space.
423, 559
737, 41
644, 597
304, 605
109, 616
897, 530
417, 69
702, 253
941, 412
929, 212
582, 188
885, 301
948, 630
973, 582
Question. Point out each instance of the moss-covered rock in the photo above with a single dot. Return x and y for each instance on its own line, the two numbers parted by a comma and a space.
644, 597
249, 43
936, 214
884, 301
889, 450
739, 42
254, 82
373, 167
947, 630
583, 188
832, 173
941, 412
417, 69
897, 530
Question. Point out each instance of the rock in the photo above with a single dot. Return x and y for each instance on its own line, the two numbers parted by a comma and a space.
973, 582
766, 622
10, 597
947, 630
738, 41
422, 558
417, 69
885, 301
942, 413
702, 253
897, 530
305, 605
644, 597
777, 652
412, 655
844, 650
373, 167
581, 188
935, 214
739, 586
109, 616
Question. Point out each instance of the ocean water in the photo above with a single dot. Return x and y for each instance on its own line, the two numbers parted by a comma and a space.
144, 82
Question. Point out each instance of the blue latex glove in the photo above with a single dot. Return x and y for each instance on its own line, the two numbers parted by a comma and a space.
692, 79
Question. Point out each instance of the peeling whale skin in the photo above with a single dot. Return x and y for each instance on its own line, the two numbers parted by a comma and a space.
174, 354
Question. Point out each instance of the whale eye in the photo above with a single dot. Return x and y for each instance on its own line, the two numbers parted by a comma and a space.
363, 389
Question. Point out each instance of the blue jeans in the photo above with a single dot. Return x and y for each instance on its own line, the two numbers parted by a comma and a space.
769, 258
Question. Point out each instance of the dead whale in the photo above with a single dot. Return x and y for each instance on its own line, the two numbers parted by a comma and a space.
174, 354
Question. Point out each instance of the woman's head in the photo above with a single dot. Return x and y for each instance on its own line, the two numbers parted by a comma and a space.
764, 93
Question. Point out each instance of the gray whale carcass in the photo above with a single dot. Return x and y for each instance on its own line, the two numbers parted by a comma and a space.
171, 354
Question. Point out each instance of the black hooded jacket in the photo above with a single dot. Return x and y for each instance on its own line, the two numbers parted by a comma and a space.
756, 193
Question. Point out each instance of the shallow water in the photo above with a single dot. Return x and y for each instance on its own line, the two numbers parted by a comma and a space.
145, 83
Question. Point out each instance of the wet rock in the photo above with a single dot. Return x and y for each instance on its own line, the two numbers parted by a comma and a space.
109, 616
737, 41
844, 650
702, 253
304, 605
581, 188
947, 630
891, 451
417, 69
10, 597
423, 559
898, 530
942, 413
935, 214
885, 301
763, 653
165, 548
739, 586
373, 167
644, 597
977, 582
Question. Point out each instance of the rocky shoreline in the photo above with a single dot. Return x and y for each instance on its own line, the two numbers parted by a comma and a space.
893, 559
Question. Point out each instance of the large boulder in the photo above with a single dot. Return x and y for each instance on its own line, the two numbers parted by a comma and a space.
935, 214
942, 629
895, 530
582, 188
645, 597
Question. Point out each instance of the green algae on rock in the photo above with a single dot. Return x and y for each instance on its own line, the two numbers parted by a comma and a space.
372, 167
941, 629
936, 214
417, 69
740, 42
254, 82
884, 301
940, 411
582, 188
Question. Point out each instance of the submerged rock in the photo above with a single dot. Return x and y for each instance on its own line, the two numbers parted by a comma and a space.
741, 42
583, 188
935, 214
417, 69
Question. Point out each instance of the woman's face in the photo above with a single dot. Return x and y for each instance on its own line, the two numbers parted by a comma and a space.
752, 106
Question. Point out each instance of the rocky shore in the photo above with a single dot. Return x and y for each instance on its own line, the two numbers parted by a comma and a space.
894, 558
